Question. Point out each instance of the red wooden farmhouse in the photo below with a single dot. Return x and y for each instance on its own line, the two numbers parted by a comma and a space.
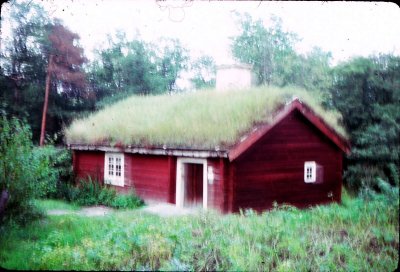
294, 158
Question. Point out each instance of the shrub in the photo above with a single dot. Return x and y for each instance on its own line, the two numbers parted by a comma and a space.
387, 193
61, 159
130, 200
25, 171
363, 178
107, 196
46, 176
393, 174
90, 192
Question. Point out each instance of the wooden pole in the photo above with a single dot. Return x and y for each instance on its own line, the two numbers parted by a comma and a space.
46, 101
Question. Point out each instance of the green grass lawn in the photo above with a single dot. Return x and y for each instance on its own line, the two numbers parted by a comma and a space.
51, 204
357, 235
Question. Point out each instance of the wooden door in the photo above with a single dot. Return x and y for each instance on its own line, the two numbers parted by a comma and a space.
193, 184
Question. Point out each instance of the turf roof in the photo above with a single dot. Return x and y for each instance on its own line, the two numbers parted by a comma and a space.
200, 120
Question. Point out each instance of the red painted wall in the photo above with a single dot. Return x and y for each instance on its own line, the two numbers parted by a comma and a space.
273, 168
151, 176
89, 163
216, 191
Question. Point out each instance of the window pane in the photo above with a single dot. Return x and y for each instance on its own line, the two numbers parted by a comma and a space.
309, 172
118, 167
111, 166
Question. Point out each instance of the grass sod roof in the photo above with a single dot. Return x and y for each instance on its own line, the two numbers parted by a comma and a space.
200, 120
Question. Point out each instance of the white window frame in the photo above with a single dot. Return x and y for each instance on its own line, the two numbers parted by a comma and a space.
310, 172
179, 196
112, 178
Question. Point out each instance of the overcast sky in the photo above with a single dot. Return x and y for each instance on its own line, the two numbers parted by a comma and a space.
344, 28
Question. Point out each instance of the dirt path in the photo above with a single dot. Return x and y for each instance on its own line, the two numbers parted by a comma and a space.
161, 209
88, 211
165, 210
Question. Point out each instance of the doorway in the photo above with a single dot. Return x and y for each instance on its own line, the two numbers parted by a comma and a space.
191, 183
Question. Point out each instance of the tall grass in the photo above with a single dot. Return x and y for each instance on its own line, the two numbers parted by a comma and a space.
357, 235
52, 204
204, 119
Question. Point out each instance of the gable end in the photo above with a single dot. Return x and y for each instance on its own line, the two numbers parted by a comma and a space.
307, 112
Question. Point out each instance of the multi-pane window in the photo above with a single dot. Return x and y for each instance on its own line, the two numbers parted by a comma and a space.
310, 171
114, 169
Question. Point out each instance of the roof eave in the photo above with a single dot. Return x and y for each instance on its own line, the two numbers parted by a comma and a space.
179, 152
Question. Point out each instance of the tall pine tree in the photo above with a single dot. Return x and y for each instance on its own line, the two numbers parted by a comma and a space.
65, 60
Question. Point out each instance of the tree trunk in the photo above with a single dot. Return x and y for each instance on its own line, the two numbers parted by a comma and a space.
3, 202
46, 101
16, 79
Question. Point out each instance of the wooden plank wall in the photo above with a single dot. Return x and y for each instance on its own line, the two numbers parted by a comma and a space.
150, 175
216, 191
273, 169
89, 163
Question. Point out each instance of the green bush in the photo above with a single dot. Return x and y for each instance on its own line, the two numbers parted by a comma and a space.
61, 159
388, 194
393, 174
107, 196
368, 180
25, 171
124, 201
91, 192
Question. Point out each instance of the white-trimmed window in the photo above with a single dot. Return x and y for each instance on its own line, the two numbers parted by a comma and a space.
310, 172
114, 169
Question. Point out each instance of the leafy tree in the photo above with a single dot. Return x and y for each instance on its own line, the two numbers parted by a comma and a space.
204, 70
269, 50
139, 72
312, 71
22, 64
367, 92
125, 68
172, 59
27, 22
25, 172
136, 67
